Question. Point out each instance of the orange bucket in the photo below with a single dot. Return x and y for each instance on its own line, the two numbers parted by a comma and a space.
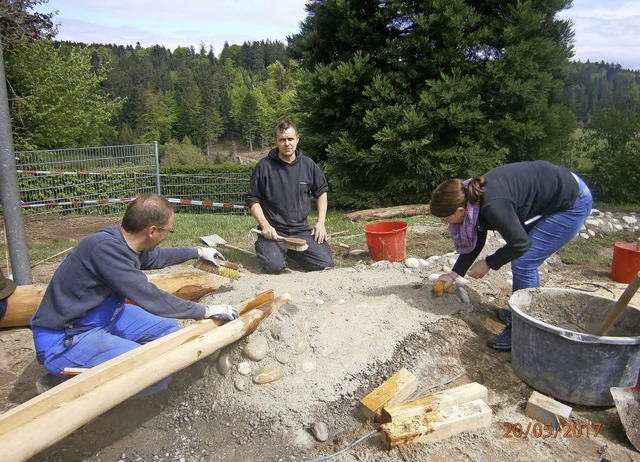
387, 240
626, 261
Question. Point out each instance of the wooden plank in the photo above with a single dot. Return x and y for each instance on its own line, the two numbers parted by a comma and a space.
437, 425
33, 436
96, 376
396, 389
191, 285
441, 400
547, 410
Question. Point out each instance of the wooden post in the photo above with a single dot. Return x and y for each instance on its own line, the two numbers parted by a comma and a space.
434, 402
437, 425
396, 389
46, 419
547, 410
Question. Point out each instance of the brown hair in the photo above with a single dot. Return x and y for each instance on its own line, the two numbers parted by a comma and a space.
147, 210
285, 125
451, 194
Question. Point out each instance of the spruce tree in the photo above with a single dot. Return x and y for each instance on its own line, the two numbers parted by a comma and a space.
400, 95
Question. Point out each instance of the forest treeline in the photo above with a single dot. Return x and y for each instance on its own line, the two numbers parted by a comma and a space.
390, 100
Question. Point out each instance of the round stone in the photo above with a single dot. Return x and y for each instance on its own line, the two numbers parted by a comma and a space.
244, 368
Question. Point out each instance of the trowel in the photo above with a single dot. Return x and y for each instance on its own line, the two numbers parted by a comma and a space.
627, 401
214, 240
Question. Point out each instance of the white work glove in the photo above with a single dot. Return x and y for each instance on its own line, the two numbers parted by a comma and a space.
210, 254
223, 312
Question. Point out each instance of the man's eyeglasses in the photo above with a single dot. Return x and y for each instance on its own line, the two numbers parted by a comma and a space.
169, 230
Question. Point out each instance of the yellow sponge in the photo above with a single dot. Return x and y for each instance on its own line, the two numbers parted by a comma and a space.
438, 289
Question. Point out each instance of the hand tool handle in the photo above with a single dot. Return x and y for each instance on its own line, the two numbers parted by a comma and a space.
620, 305
290, 240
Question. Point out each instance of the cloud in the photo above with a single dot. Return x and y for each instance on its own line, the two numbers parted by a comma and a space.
606, 31
173, 24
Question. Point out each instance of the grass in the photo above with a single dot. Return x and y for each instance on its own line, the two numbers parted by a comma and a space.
594, 253
235, 230
423, 240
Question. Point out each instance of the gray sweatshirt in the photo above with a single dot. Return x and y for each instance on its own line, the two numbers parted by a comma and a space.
103, 265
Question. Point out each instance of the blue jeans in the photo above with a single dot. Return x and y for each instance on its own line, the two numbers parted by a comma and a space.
107, 331
547, 236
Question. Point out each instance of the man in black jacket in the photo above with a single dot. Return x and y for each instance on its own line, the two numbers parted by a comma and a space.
279, 197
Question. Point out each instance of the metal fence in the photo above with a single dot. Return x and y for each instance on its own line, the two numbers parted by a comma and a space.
101, 180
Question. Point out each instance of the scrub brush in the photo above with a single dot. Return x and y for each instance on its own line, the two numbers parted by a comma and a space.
225, 268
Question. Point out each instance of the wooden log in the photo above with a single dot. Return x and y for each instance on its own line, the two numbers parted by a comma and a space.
22, 304
441, 400
192, 285
547, 410
396, 389
437, 425
388, 212
20, 442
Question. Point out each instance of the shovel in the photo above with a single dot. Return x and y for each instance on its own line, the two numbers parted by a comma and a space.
620, 305
627, 401
214, 241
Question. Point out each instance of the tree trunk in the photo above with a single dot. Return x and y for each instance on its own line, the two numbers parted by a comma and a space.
389, 212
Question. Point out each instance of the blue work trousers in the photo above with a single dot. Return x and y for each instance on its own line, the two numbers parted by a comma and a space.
547, 236
109, 330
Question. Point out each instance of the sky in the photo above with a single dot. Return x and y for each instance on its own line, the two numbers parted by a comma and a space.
605, 30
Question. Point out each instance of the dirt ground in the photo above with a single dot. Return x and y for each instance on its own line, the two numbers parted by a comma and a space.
346, 331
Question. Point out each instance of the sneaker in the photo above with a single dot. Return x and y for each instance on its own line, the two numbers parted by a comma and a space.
504, 315
47, 382
501, 341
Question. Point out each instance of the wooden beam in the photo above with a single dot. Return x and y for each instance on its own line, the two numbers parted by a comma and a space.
30, 437
441, 400
547, 410
437, 425
192, 285
396, 389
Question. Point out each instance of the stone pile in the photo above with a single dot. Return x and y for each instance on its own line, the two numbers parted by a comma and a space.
602, 223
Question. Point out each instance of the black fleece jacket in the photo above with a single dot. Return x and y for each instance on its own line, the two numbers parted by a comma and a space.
514, 194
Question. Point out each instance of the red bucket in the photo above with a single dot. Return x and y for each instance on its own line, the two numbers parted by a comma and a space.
626, 261
387, 240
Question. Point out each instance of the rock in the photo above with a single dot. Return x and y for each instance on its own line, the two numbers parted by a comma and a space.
244, 368
240, 384
319, 301
257, 347
267, 374
300, 346
412, 263
464, 296
224, 364
304, 326
276, 332
320, 431
282, 357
